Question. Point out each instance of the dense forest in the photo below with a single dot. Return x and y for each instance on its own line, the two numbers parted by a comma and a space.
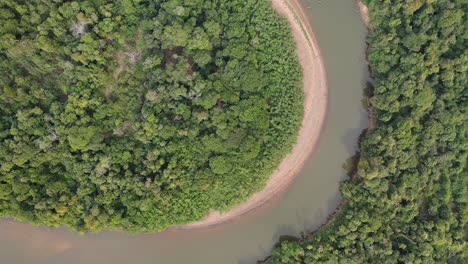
141, 114
407, 202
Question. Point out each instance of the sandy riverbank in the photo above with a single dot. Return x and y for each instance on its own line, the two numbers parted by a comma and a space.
315, 106
364, 11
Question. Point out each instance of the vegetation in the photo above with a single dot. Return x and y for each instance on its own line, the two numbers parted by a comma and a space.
408, 200
141, 114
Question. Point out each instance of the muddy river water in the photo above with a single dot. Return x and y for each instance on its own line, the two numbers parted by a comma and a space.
305, 206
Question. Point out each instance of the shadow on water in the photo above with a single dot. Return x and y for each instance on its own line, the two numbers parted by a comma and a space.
351, 163
280, 235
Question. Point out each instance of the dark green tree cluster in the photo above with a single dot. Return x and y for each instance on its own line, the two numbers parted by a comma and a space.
408, 201
141, 114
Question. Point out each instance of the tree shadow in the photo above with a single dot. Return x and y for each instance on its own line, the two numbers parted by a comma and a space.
283, 233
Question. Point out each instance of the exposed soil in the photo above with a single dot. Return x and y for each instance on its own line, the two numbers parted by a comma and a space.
364, 11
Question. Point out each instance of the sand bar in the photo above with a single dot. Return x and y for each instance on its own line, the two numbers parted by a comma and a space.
315, 108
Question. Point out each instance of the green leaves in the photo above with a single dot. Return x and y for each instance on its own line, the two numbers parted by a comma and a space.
221, 164
404, 204
139, 115
83, 138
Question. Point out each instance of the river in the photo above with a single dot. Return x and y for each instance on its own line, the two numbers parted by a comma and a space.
306, 205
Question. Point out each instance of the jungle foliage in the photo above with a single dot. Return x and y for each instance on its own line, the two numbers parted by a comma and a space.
408, 200
141, 114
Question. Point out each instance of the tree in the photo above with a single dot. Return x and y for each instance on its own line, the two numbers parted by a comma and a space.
140, 115
220, 164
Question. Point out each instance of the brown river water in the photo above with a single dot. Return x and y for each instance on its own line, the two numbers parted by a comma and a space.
304, 207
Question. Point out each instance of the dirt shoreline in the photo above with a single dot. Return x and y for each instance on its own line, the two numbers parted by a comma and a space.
364, 11
315, 106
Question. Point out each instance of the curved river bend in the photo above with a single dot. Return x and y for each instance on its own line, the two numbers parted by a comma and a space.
311, 198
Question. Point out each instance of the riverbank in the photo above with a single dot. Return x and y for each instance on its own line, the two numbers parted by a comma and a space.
364, 11
315, 106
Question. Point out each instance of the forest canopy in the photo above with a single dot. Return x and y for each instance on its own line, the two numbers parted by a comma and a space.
141, 114
408, 201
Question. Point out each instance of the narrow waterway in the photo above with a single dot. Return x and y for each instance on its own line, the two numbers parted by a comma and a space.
312, 197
